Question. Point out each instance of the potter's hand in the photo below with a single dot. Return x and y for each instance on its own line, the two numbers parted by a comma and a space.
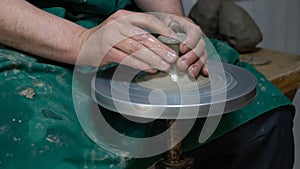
122, 38
194, 56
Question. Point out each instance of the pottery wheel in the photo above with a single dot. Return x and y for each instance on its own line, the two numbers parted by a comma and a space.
113, 89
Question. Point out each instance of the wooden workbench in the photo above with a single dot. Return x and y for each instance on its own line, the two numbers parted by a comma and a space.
283, 69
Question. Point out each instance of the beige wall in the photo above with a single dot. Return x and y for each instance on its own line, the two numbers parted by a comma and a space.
279, 22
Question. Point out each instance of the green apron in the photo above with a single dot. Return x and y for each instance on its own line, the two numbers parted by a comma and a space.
39, 127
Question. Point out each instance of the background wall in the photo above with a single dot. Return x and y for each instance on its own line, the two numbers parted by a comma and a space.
280, 24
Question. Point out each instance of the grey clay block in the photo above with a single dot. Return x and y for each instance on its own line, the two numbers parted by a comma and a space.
227, 21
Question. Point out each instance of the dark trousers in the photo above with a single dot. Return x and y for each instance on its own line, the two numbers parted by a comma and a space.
266, 142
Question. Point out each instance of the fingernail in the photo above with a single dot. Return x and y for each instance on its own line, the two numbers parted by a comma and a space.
205, 71
184, 48
164, 65
195, 70
171, 56
152, 70
183, 64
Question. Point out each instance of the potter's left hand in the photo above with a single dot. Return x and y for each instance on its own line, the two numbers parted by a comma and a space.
194, 56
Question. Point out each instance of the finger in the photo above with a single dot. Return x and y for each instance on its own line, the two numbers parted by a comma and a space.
195, 68
190, 57
193, 36
156, 46
117, 56
193, 32
141, 52
185, 25
148, 21
150, 42
186, 60
199, 66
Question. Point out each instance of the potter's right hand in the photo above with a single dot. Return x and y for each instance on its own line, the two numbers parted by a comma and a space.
122, 39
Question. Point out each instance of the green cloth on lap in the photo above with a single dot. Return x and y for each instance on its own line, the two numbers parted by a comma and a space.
43, 131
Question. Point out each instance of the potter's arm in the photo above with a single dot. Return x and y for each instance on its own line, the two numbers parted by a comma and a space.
27, 28
30, 29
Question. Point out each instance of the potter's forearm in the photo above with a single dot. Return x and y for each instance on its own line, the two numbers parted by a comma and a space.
165, 6
30, 29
